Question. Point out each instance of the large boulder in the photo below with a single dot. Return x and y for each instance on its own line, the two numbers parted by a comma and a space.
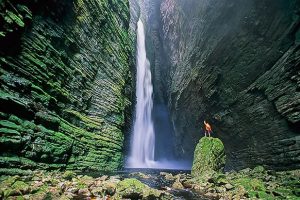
134, 189
209, 156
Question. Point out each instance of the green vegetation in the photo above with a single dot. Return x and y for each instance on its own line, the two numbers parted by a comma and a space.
209, 156
63, 88
68, 175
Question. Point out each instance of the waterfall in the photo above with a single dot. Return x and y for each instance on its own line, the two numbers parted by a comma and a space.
143, 141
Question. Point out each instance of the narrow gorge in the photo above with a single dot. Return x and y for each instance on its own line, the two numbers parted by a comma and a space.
117, 92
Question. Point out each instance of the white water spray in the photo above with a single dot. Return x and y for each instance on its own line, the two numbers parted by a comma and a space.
143, 141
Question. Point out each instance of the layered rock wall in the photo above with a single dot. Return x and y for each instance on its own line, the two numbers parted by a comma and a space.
66, 84
236, 64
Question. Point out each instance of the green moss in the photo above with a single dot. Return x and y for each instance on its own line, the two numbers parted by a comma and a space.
128, 186
47, 120
15, 119
254, 187
264, 195
58, 88
258, 169
20, 198
7, 131
12, 17
9, 181
11, 161
209, 156
68, 175
10, 125
3, 115
81, 185
21, 186
91, 123
135, 189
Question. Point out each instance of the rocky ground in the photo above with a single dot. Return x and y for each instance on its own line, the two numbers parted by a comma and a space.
256, 183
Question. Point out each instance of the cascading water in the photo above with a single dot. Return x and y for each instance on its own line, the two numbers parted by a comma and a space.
143, 141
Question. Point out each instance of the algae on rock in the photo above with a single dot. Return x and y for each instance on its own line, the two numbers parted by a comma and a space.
209, 156
65, 89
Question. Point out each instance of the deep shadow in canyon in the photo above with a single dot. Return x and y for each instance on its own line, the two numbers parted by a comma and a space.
236, 65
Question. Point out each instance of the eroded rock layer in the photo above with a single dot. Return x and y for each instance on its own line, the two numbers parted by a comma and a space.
65, 84
235, 64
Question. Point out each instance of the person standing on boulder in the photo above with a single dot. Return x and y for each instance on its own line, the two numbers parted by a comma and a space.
207, 128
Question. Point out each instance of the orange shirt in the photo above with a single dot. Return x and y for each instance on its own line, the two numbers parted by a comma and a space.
207, 127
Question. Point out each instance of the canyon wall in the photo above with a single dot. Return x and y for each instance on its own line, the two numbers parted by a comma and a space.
235, 64
66, 84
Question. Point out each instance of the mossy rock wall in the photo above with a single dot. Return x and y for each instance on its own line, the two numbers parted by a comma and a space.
65, 84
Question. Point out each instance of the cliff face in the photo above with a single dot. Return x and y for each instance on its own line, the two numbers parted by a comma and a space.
65, 84
236, 64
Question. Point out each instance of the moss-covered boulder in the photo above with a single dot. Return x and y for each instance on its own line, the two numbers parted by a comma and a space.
68, 175
134, 189
209, 156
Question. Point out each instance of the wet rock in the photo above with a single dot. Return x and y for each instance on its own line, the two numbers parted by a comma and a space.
141, 175
168, 176
258, 169
69, 195
209, 156
177, 185
36, 185
220, 189
109, 187
245, 171
72, 190
97, 191
39, 196
228, 186
103, 178
69, 175
20, 187
188, 183
134, 189
211, 195
84, 192
87, 181
62, 186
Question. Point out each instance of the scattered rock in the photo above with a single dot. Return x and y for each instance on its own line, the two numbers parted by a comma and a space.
232, 185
